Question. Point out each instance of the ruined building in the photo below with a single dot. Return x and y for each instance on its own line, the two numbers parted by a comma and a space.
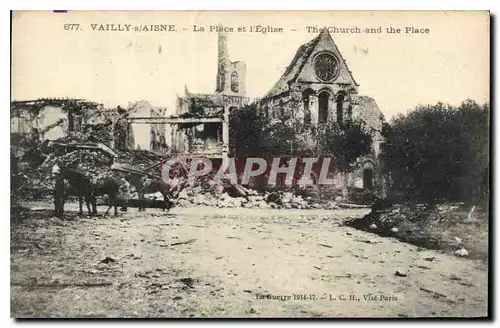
55, 118
200, 126
158, 143
318, 87
51, 118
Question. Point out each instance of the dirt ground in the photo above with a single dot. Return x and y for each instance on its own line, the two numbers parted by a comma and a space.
211, 262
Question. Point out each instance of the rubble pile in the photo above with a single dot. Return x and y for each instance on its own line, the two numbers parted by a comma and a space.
103, 130
87, 136
385, 219
446, 226
197, 196
88, 161
141, 159
397, 220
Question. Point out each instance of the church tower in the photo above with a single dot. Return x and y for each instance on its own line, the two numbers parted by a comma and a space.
230, 75
222, 61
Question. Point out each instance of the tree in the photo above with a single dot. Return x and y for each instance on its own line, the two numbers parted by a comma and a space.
246, 132
439, 152
252, 135
346, 143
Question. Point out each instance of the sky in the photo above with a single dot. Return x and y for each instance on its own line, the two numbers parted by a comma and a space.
448, 64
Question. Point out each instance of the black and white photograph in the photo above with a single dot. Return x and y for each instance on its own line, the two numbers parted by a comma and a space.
250, 164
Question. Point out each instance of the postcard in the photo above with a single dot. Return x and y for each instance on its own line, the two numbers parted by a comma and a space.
250, 164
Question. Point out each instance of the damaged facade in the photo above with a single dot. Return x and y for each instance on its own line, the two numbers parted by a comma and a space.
50, 118
202, 126
158, 142
318, 87
123, 134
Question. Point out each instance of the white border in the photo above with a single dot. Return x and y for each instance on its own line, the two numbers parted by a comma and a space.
194, 5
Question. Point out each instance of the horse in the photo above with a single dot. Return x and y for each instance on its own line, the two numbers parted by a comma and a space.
79, 185
111, 188
146, 185
84, 188
168, 191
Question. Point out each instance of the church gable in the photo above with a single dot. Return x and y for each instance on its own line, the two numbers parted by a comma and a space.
325, 64
320, 52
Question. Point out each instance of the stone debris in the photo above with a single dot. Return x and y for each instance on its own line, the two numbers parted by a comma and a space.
248, 198
401, 273
187, 281
77, 152
87, 161
108, 260
332, 205
417, 224
461, 252
443, 208
87, 152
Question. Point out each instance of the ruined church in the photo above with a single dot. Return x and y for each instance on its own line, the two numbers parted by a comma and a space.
317, 79
318, 87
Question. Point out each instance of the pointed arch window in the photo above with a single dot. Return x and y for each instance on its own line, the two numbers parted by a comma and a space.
323, 100
222, 81
234, 82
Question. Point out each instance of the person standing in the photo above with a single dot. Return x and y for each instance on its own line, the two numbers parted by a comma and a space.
59, 192
125, 193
